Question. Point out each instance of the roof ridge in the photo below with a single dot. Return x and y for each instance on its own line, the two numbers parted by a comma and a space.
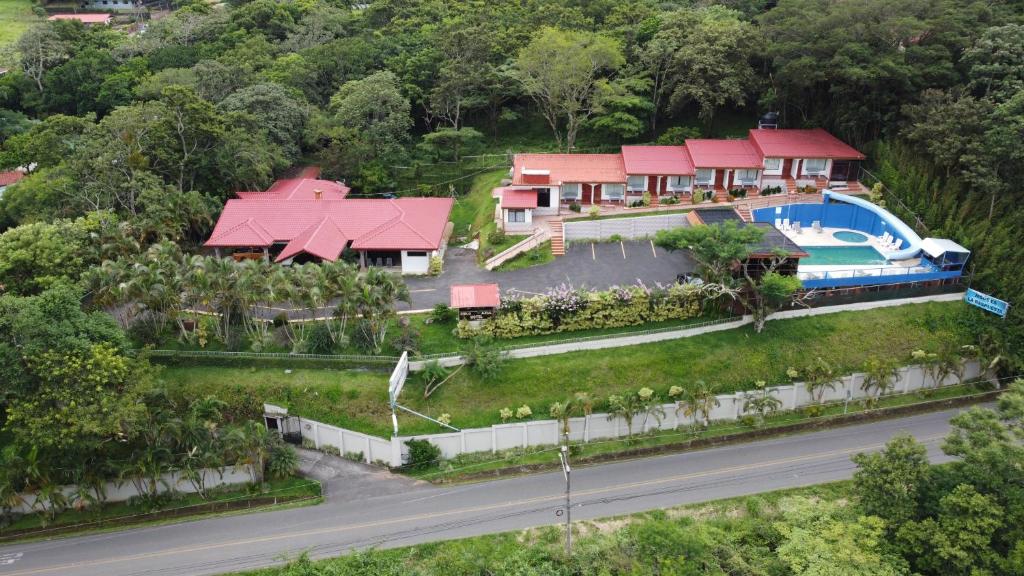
250, 222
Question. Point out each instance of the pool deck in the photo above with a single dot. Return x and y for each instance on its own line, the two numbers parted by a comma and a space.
808, 237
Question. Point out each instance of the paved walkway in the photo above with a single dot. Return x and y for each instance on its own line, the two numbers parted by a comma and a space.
644, 338
344, 480
585, 265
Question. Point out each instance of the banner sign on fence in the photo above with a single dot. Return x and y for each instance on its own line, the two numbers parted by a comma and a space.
986, 302
398, 377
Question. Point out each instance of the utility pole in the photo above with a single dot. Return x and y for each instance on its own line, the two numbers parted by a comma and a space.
566, 470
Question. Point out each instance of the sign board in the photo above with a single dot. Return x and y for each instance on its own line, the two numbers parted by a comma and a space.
986, 302
398, 376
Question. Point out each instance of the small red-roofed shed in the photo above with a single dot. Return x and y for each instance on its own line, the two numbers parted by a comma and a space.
475, 301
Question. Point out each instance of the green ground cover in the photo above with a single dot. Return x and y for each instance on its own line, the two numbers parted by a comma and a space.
641, 214
532, 257
15, 17
476, 209
184, 506
731, 360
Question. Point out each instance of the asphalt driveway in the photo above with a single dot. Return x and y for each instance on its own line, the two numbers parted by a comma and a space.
584, 265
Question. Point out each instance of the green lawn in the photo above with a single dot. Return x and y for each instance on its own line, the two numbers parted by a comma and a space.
15, 17
533, 257
731, 359
641, 214
475, 210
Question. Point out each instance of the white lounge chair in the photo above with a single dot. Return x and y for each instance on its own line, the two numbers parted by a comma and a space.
785, 224
896, 246
885, 238
797, 228
817, 226
778, 223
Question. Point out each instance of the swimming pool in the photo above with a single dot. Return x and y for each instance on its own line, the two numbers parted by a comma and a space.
850, 236
833, 255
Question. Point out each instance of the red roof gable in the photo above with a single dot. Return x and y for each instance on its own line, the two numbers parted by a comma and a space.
657, 160
8, 178
323, 239
93, 18
592, 168
723, 154
512, 198
794, 143
475, 296
300, 189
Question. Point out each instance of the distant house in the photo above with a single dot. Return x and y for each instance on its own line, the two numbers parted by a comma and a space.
307, 219
8, 178
89, 19
786, 158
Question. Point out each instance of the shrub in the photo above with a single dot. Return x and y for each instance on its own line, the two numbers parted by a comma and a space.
408, 338
575, 207
697, 197
645, 198
422, 454
444, 314
523, 411
282, 460
505, 414
496, 237
436, 265
280, 320
671, 200
318, 339
354, 456
636, 204
615, 238
362, 337
594, 211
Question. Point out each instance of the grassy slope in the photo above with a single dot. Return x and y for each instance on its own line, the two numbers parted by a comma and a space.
730, 359
15, 17
475, 210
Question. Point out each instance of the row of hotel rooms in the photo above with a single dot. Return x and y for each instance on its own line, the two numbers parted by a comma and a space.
786, 158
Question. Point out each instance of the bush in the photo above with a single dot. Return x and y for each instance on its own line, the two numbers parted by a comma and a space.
594, 211
671, 200
408, 338
282, 460
319, 340
615, 238
444, 314
436, 265
636, 204
698, 196
771, 190
362, 337
575, 207
422, 454
496, 237
280, 320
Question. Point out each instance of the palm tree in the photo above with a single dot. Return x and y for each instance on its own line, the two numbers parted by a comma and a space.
378, 293
879, 378
250, 445
700, 401
818, 377
585, 404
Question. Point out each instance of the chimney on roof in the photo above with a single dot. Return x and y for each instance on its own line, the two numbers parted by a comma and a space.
318, 194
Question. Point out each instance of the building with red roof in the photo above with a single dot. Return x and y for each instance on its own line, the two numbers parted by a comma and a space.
307, 219
787, 158
8, 178
475, 301
89, 19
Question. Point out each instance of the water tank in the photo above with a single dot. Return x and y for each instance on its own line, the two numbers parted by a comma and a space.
769, 120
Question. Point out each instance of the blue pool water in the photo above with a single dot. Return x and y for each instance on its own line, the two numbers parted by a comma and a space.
833, 255
850, 236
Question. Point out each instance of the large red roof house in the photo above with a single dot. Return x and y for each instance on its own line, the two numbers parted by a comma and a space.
788, 158
305, 219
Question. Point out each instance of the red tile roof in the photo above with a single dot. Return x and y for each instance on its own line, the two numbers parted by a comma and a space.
8, 178
474, 296
94, 18
287, 213
723, 154
592, 168
512, 198
657, 160
300, 189
795, 143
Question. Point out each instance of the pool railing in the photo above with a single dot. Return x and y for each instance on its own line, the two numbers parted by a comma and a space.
873, 276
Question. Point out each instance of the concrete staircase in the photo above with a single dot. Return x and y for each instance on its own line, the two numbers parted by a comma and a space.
655, 200
744, 211
557, 237
721, 194
821, 183
791, 187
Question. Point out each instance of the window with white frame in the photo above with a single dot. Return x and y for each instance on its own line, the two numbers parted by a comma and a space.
746, 177
773, 166
679, 183
570, 191
637, 183
814, 166
705, 175
517, 215
612, 191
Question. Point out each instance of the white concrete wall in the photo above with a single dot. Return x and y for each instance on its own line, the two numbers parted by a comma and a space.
638, 227
170, 482
415, 264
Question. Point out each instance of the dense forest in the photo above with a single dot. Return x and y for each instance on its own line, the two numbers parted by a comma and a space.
135, 140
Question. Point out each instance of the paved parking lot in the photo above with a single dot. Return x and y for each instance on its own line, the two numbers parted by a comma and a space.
596, 265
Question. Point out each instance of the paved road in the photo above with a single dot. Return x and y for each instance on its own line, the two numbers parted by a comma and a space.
585, 265
420, 513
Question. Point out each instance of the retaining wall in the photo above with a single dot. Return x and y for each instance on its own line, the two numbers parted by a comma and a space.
628, 228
